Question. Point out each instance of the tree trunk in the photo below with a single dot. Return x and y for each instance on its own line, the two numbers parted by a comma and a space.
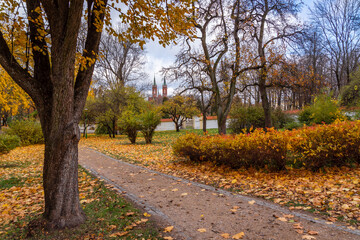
60, 179
204, 121
222, 125
177, 126
265, 105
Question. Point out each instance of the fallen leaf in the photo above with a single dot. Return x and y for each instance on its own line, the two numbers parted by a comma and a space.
308, 237
169, 229
299, 231
282, 219
175, 190
251, 202
147, 215
130, 213
297, 226
233, 181
312, 232
225, 235
238, 235
168, 238
118, 234
184, 194
202, 230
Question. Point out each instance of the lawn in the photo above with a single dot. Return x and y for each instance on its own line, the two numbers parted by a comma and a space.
333, 194
21, 200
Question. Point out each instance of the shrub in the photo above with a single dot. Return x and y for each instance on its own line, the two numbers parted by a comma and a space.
280, 119
292, 125
250, 118
188, 146
8, 142
246, 117
101, 129
327, 145
149, 120
28, 131
350, 94
259, 149
323, 110
129, 123
305, 116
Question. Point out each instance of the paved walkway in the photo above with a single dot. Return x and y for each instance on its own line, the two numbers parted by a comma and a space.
199, 211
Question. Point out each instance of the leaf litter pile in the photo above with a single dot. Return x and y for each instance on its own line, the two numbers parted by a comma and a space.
22, 200
333, 194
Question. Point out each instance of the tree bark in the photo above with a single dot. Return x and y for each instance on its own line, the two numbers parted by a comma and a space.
62, 206
265, 104
58, 97
204, 121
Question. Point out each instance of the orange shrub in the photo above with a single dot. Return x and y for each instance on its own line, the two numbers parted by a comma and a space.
259, 149
320, 146
188, 146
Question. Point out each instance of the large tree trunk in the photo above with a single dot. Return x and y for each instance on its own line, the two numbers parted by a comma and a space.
60, 179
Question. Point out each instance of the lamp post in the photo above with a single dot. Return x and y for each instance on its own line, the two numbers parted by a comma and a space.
85, 122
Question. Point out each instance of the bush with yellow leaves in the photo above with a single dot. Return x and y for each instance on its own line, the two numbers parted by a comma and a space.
331, 145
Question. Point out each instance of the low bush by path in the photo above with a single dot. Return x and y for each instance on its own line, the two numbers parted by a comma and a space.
21, 200
333, 192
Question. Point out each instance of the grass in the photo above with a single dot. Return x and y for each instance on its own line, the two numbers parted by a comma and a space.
109, 216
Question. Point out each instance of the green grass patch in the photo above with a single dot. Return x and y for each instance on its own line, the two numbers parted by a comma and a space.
11, 182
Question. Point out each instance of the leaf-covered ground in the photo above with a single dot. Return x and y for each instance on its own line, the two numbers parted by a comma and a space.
21, 200
334, 194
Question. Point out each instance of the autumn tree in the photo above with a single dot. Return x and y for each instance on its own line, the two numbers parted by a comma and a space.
58, 91
272, 23
193, 81
221, 49
180, 108
12, 98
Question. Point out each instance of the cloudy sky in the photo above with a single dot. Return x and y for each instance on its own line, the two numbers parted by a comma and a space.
159, 57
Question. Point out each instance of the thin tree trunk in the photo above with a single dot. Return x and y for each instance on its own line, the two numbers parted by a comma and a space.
204, 121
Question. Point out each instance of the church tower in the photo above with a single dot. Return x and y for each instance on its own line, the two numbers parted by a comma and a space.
164, 89
154, 89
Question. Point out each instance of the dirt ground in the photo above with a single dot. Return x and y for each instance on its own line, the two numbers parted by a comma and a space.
198, 211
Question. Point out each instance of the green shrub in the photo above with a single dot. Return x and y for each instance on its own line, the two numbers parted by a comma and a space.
101, 129
280, 119
8, 142
246, 118
129, 123
149, 120
327, 145
292, 125
250, 118
323, 110
28, 131
350, 94
305, 116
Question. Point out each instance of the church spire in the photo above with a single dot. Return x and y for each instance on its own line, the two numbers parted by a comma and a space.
154, 81
164, 82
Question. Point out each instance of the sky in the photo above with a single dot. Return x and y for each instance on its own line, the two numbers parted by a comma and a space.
159, 57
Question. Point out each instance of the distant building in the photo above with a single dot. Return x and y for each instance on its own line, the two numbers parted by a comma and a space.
156, 96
